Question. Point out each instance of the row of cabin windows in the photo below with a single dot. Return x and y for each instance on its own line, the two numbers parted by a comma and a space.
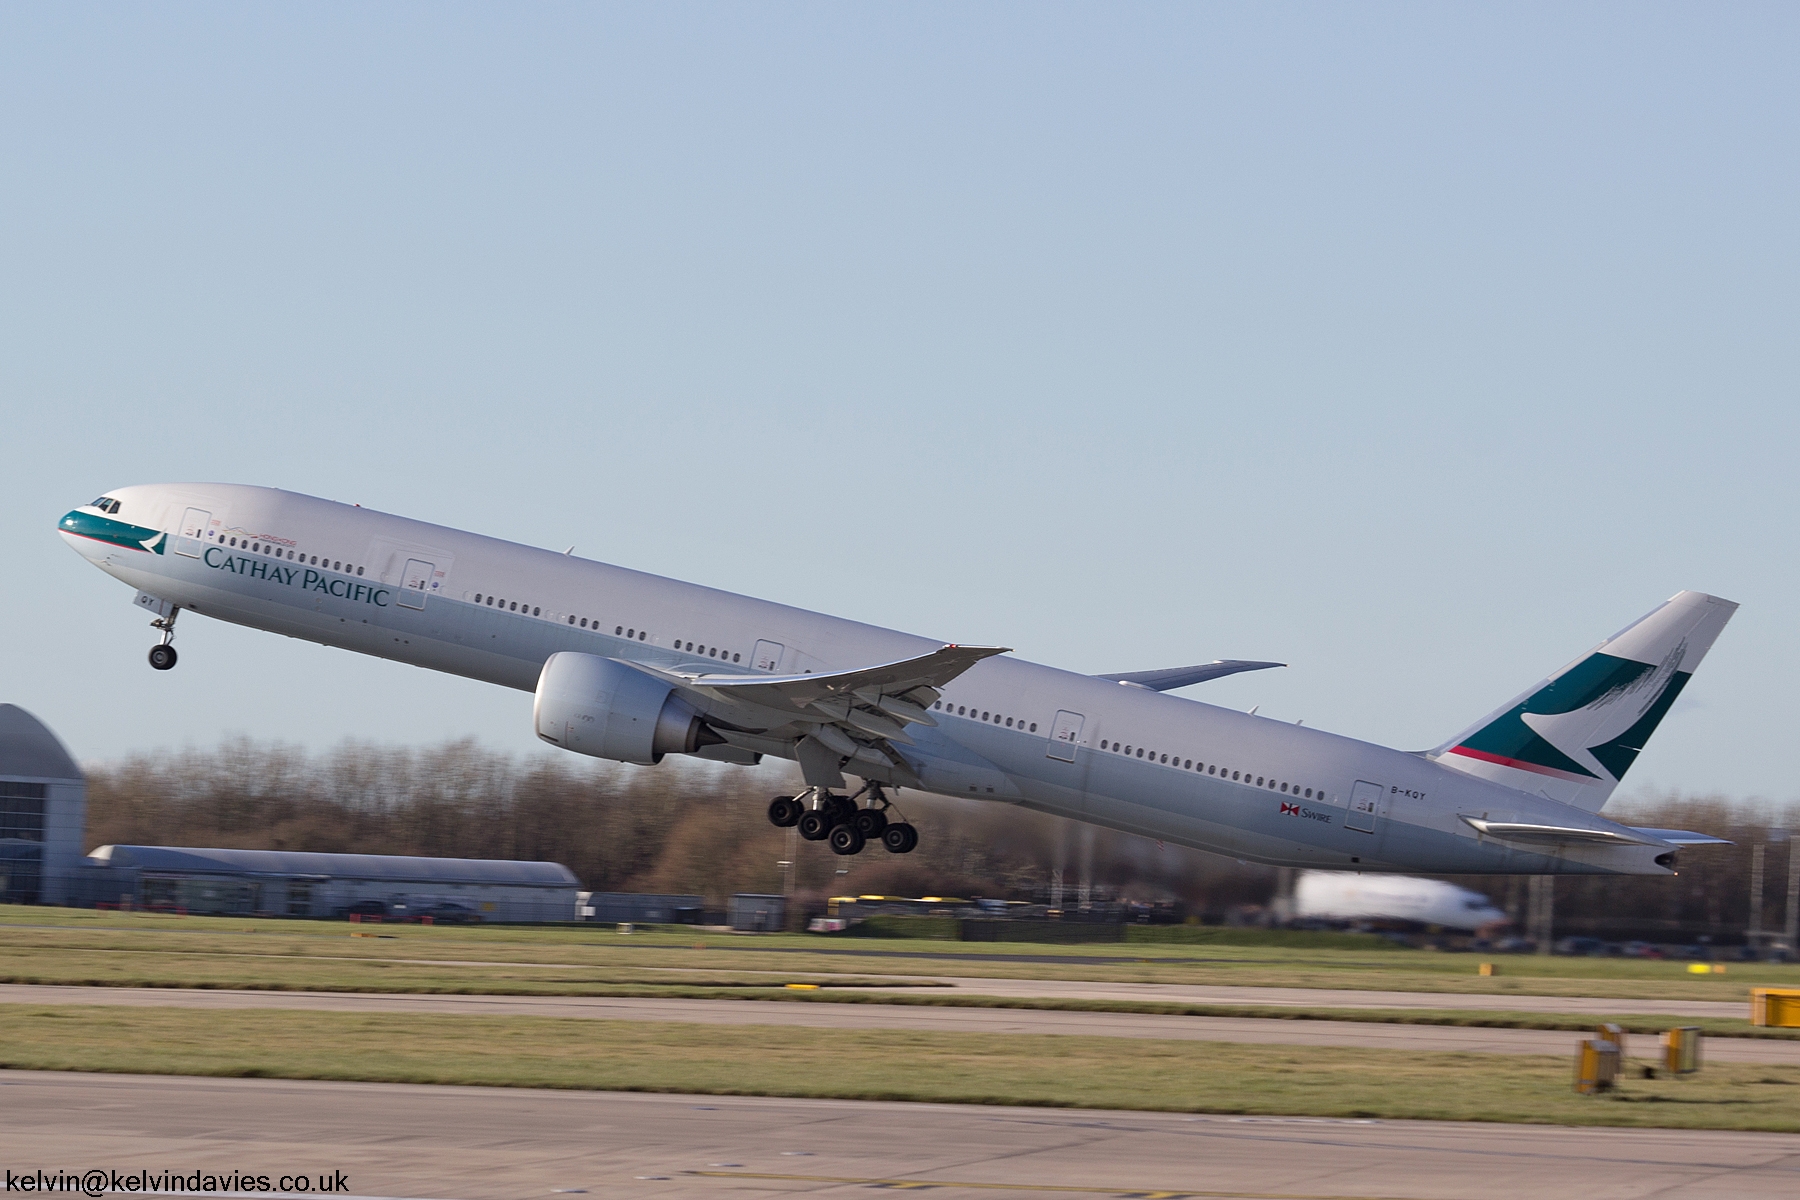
580, 622
1212, 769
282, 552
511, 606
963, 710
709, 651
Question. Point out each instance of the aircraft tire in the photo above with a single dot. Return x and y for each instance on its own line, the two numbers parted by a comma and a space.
815, 826
870, 822
844, 839
900, 838
162, 657
784, 811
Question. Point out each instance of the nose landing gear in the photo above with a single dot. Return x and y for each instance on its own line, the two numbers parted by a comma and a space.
163, 656
837, 821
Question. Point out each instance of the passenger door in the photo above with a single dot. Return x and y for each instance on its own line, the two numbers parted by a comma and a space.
1065, 735
415, 581
1365, 806
190, 539
766, 657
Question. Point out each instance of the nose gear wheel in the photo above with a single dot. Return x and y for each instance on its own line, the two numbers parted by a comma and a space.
162, 655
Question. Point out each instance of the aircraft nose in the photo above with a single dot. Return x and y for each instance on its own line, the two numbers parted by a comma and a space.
75, 530
96, 537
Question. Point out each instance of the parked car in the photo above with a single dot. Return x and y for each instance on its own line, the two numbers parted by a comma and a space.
1642, 950
368, 908
448, 913
1580, 946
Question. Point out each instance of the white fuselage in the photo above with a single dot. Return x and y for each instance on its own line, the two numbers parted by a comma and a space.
1144, 762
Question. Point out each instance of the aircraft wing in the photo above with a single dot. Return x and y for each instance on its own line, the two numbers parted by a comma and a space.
1178, 677
863, 705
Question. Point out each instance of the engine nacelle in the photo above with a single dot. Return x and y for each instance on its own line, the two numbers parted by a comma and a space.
609, 709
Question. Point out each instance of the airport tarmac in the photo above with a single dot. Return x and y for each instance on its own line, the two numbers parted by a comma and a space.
945, 1019
457, 1143
1184, 993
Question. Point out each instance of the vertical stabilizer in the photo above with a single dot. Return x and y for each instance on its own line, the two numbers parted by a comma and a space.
1573, 736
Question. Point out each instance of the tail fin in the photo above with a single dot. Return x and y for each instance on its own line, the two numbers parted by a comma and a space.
1573, 736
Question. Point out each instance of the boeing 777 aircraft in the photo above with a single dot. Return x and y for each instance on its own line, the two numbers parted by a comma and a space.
634, 667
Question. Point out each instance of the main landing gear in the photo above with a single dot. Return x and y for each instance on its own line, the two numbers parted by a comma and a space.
163, 656
838, 822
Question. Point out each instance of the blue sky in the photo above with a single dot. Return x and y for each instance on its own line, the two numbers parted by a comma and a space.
1417, 346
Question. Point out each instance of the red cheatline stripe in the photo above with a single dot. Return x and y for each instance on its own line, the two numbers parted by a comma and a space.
1517, 764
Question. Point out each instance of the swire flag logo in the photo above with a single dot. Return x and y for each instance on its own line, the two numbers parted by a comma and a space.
1290, 810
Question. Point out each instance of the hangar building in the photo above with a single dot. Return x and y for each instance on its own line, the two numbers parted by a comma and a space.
43, 811
299, 884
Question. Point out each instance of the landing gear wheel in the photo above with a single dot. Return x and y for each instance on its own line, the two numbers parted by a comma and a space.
845, 839
815, 826
900, 838
162, 657
870, 822
784, 811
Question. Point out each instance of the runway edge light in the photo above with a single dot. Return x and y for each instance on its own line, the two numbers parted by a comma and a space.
1596, 1066
1681, 1050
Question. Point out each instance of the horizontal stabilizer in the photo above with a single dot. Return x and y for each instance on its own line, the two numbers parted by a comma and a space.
1682, 837
1170, 678
1521, 831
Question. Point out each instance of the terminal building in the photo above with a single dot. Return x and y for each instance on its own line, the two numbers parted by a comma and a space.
43, 812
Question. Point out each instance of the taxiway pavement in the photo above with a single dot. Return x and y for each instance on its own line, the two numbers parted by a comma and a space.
460, 1143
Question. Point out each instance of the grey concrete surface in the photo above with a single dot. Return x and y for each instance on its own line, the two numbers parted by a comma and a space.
884, 1016
1183, 993
457, 1143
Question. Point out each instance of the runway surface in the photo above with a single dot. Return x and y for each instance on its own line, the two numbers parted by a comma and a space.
454, 1143
912, 1017
1183, 993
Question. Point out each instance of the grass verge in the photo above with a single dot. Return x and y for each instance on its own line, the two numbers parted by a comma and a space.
1059, 1071
79, 946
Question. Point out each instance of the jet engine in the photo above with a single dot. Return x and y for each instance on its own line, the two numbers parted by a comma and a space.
610, 709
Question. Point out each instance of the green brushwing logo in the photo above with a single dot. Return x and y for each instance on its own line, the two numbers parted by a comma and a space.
1597, 682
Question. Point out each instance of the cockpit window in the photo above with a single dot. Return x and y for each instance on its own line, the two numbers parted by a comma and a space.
106, 504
